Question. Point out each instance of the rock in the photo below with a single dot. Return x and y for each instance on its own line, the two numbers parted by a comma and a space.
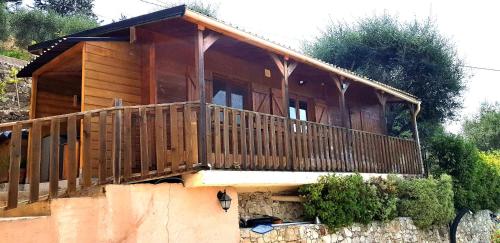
347, 233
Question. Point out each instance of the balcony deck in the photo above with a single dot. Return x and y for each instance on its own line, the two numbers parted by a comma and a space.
126, 144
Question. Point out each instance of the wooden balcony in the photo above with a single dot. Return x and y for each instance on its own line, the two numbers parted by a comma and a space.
126, 144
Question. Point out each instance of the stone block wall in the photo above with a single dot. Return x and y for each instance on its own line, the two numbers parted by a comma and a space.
473, 228
257, 204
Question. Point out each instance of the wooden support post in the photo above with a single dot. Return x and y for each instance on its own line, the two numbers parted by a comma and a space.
14, 167
286, 69
414, 110
342, 86
199, 56
116, 155
382, 98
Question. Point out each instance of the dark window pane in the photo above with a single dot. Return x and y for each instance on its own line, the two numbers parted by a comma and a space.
219, 94
303, 111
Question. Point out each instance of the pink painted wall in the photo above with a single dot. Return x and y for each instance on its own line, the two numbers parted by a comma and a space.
132, 213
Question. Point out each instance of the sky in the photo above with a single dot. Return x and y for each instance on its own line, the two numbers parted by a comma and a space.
471, 25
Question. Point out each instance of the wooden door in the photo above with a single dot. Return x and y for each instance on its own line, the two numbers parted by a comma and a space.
277, 102
321, 112
261, 100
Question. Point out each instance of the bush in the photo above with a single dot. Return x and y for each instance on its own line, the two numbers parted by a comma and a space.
453, 155
487, 181
427, 201
4, 33
476, 176
341, 201
387, 194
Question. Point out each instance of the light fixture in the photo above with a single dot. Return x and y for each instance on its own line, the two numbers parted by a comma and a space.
302, 82
224, 199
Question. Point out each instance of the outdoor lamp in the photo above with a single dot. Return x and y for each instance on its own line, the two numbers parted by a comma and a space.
224, 199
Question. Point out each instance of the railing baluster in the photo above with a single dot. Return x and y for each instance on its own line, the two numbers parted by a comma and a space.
243, 132
34, 162
267, 163
14, 165
127, 143
160, 140
251, 142
72, 157
217, 138
258, 137
102, 147
225, 134
54, 158
298, 136
280, 160
191, 125
86, 174
272, 138
174, 139
235, 140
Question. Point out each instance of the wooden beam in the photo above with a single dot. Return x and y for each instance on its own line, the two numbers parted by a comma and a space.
278, 63
34, 89
57, 61
199, 57
209, 40
342, 87
116, 153
133, 34
153, 94
291, 68
382, 99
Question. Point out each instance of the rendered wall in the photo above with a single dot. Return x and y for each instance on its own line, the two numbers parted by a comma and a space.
132, 213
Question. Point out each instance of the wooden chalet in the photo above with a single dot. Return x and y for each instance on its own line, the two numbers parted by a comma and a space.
175, 92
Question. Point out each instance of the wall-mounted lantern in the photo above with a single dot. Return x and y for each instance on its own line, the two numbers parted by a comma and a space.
224, 200
302, 82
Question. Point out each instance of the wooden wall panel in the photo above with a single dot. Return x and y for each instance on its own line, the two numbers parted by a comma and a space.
110, 70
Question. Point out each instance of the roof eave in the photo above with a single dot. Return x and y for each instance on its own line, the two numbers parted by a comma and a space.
217, 26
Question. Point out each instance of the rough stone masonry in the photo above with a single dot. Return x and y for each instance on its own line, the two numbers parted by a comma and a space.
10, 110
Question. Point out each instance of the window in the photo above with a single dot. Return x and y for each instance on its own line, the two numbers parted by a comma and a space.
229, 95
297, 109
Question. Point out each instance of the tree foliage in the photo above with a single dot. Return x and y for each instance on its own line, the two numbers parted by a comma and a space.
411, 56
4, 33
67, 7
476, 182
32, 26
484, 128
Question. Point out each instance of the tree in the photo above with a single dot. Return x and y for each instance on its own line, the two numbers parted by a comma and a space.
484, 128
4, 34
411, 56
67, 7
32, 26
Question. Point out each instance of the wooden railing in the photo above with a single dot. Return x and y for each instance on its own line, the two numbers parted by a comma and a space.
246, 140
112, 145
135, 143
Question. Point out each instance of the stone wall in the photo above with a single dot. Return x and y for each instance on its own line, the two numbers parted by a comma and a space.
476, 227
10, 110
256, 204
473, 228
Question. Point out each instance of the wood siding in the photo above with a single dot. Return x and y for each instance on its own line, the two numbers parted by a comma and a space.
110, 70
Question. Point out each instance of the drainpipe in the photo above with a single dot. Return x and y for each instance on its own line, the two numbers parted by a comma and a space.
456, 221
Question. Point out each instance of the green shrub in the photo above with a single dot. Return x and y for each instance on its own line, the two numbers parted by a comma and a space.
476, 175
487, 181
16, 53
453, 155
427, 201
387, 194
341, 201
4, 33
